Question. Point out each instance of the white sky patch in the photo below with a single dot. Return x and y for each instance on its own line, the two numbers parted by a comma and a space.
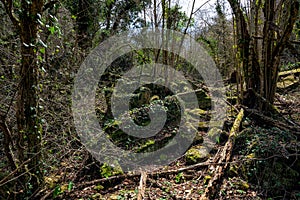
187, 5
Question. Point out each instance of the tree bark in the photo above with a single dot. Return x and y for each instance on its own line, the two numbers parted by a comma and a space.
29, 131
260, 61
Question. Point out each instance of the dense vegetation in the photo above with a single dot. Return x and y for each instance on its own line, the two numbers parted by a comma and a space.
255, 46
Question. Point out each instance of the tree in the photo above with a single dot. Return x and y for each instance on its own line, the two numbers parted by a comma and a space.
109, 16
215, 35
25, 16
263, 31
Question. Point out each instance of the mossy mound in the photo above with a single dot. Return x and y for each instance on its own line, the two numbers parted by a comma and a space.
196, 154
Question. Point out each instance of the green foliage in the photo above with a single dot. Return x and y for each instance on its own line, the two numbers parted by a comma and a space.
210, 44
266, 159
107, 170
179, 177
57, 191
177, 19
290, 66
98, 187
70, 186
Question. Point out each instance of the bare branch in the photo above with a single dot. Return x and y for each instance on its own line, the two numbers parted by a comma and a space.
198, 9
190, 18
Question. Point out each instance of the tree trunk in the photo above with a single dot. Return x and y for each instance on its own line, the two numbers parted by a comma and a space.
260, 59
29, 131
27, 101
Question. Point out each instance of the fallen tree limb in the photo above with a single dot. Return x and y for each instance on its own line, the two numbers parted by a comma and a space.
154, 173
253, 113
289, 72
224, 156
289, 87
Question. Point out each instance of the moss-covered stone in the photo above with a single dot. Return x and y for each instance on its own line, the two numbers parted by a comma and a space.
196, 154
215, 134
196, 112
198, 139
107, 170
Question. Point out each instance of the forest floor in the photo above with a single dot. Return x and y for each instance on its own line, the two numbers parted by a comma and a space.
264, 164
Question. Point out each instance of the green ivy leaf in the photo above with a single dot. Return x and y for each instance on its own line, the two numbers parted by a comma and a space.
52, 30
40, 58
70, 186
57, 191
43, 50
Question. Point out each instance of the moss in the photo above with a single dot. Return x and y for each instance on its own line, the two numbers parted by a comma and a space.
107, 170
197, 112
98, 187
146, 146
206, 179
196, 154
214, 134
242, 184
97, 196
206, 124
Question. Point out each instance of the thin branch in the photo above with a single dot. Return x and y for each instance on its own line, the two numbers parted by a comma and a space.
7, 141
154, 173
6, 179
198, 9
190, 18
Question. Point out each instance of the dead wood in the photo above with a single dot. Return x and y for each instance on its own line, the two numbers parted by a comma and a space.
151, 174
289, 72
221, 162
224, 156
142, 186
261, 118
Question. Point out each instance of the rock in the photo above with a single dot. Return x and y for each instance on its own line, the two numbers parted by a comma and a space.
214, 134
198, 139
196, 154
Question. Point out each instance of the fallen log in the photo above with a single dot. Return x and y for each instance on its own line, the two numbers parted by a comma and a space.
224, 156
258, 116
295, 72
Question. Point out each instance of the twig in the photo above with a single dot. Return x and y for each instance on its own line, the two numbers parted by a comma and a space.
142, 185
6, 179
